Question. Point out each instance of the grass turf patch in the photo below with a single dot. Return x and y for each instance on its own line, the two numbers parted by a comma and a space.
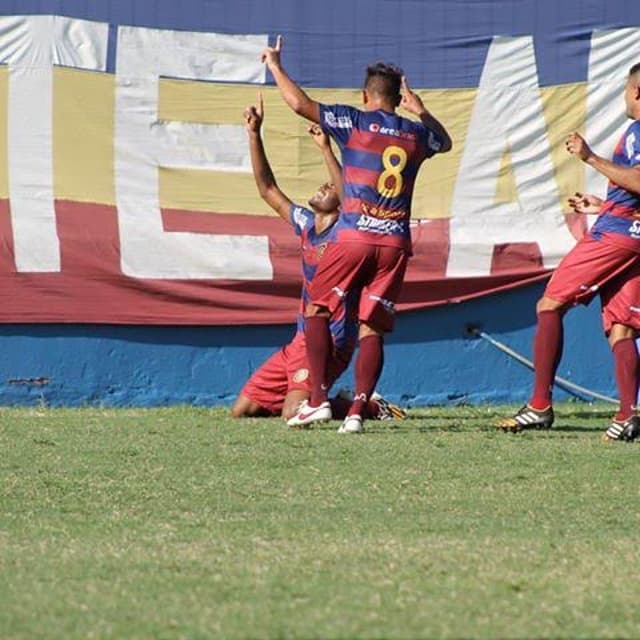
181, 522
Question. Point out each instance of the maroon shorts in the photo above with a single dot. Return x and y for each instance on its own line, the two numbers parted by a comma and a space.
596, 267
288, 370
377, 270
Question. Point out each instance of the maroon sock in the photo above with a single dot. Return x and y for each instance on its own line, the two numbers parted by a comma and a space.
547, 351
625, 355
319, 348
367, 371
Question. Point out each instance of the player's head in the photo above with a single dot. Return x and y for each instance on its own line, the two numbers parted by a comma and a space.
382, 84
632, 92
325, 199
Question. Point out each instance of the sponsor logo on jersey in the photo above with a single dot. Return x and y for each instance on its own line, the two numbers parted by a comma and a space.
634, 229
367, 223
299, 218
381, 212
374, 127
629, 145
341, 122
433, 142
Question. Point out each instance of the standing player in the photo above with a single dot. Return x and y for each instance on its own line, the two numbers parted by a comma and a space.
605, 261
282, 382
381, 155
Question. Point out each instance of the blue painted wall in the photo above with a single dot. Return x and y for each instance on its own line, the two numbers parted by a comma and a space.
429, 358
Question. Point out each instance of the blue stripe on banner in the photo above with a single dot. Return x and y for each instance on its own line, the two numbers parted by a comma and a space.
440, 43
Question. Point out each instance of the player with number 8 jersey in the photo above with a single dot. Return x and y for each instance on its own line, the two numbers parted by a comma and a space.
381, 154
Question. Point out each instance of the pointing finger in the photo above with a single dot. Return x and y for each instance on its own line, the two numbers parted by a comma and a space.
260, 107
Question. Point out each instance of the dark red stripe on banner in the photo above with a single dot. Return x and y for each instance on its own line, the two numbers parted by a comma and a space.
91, 287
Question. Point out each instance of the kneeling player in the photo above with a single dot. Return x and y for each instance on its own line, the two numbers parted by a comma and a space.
282, 382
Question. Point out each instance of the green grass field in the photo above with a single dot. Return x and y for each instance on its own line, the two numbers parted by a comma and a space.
180, 523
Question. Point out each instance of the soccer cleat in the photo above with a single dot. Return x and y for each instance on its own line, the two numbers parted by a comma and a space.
308, 414
387, 410
528, 418
625, 430
351, 424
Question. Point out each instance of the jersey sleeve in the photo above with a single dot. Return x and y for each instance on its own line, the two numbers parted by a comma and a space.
338, 121
632, 144
301, 218
432, 141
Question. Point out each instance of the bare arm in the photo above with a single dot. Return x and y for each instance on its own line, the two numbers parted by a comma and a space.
333, 166
413, 104
626, 177
265, 180
293, 95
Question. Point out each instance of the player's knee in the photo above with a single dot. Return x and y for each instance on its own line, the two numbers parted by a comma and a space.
620, 332
242, 408
237, 412
549, 304
367, 329
312, 310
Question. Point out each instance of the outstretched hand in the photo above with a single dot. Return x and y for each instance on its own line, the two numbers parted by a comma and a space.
318, 136
410, 100
576, 145
254, 115
584, 203
271, 55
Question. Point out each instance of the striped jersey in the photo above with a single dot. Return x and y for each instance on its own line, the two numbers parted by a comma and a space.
343, 324
381, 155
619, 217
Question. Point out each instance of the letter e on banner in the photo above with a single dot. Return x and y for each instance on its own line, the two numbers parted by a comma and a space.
143, 144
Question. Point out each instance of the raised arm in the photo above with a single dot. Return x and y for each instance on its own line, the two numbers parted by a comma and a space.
265, 180
333, 166
413, 104
626, 177
293, 95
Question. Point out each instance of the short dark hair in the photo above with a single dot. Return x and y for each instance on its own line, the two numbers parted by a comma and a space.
634, 69
384, 79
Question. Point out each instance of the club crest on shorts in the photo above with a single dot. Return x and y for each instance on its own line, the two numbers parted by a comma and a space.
301, 375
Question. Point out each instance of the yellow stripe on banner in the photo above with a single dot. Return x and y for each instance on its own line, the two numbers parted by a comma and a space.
83, 142
296, 163
83, 135
506, 189
4, 152
565, 111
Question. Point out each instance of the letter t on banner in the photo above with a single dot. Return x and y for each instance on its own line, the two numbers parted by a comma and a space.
31, 45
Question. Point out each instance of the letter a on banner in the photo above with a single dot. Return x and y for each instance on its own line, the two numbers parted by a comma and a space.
507, 115
143, 144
